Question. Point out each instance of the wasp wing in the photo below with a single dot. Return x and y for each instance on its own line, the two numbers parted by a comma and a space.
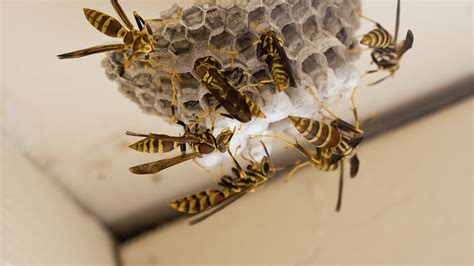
407, 43
231, 99
344, 126
354, 166
175, 139
165, 137
92, 50
157, 166
122, 14
341, 187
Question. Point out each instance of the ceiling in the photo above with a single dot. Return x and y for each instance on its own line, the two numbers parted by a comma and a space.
70, 119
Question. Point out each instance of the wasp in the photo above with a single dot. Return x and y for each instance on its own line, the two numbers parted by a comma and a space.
322, 159
232, 188
270, 49
386, 52
237, 104
334, 142
140, 42
339, 136
202, 142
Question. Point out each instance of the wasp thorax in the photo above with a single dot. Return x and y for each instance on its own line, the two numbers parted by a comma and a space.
143, 43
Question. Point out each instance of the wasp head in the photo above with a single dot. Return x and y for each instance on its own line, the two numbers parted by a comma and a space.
223, 139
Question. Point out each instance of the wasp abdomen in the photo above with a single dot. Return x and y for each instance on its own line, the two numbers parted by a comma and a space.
279, 74
154, 145
377, 38
105, 23
199, 202
317, 133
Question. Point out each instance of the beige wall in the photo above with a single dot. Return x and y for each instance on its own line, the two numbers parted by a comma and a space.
40, 224
79, 118
411, 203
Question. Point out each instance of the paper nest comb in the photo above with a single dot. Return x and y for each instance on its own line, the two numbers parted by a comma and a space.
316, 36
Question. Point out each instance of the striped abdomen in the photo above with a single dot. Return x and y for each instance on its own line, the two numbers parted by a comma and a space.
317, 133
154, 145
253, 107
343, 148
201, 201
377, 38
105, 23
278, 71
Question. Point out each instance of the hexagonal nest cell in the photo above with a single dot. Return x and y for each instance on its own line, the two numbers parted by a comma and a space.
315, 34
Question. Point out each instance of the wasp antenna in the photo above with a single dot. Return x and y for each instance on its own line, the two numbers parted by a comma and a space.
265, 148
235, 160
397, 21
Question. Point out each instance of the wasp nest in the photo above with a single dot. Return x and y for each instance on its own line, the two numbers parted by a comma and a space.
316, 35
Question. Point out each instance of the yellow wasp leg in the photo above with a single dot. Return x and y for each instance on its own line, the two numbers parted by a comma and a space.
297, 166
231, 53
323, 106
354, 109
215, 179
288, 143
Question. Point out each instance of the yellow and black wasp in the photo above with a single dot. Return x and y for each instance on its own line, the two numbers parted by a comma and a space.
334, 142
386, 52
270, 49
232, 188
238, 105
140, 42
340, 137
202, 142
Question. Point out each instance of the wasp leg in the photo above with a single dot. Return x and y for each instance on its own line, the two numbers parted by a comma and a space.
231, 53
355, 50
173, 76
129, 60
260, 83
215, 179
354, 109
380, 80
288, 143
377, 24
323, 106
176, 18
297, 166
341, 186
174, 93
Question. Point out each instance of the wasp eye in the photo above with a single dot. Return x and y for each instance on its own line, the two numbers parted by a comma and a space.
266, 167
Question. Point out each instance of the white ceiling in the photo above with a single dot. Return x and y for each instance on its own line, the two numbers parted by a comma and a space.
70, 119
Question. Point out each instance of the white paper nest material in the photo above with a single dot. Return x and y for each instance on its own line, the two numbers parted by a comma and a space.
316, 36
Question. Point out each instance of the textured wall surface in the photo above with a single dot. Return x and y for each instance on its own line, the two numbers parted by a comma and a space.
70, 118
40, 224
411, 203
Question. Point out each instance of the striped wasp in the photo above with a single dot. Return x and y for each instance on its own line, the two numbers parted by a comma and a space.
202, 142
333, 143
386, 52
208, 202
140, 42
270, 50
238, 105
322, 159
